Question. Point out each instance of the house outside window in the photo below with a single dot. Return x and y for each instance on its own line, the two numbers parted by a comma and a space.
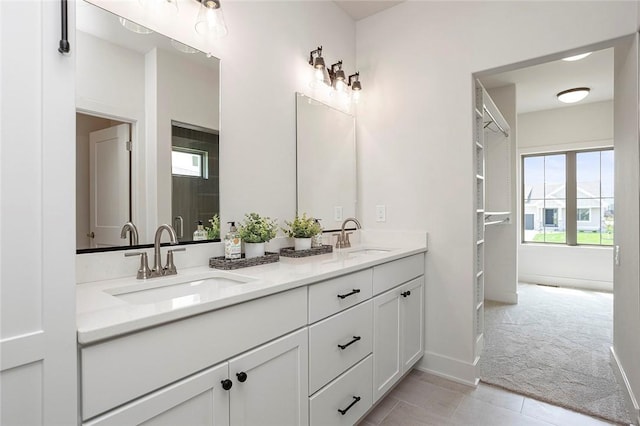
572, 184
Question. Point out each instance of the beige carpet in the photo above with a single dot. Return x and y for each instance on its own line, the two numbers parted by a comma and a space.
554, 346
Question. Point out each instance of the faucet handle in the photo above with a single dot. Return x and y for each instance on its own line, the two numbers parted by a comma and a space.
346, 242
143, 272
170, 269
338, 240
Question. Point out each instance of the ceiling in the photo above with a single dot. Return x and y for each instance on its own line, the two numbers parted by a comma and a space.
537, 86
360, 9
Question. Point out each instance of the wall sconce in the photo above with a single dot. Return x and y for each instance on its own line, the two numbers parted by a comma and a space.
210, 21
334, 76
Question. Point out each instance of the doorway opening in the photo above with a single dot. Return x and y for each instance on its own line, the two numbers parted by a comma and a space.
562, 231
103, 180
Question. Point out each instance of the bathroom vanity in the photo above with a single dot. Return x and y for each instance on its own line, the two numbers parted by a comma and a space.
303, 341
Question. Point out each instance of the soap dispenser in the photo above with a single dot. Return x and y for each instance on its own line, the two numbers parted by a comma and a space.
199, 234
232, 243
316, 240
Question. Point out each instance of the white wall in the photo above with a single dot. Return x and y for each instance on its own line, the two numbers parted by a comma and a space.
576, 127
415, 129
500, 255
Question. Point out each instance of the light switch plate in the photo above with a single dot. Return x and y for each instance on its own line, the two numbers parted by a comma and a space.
381, 213
337, 213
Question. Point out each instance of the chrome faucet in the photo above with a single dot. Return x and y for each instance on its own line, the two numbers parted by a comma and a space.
158, 270
129, 226
343, 236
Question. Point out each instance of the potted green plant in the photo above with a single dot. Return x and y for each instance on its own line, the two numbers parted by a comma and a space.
301, 229
213, 231
256, 230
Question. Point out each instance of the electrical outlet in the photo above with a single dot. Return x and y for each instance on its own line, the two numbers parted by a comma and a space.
337, 213
381, 213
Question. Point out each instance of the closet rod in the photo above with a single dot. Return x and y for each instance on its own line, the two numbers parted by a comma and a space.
495, 222
504, 132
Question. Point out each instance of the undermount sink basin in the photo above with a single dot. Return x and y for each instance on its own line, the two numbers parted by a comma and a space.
182, 292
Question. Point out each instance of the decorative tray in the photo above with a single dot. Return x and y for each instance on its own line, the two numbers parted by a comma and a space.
228, 264
291, 252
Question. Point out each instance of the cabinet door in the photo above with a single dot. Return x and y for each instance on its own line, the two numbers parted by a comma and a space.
387, 364
198, 400
412, 325
270, 383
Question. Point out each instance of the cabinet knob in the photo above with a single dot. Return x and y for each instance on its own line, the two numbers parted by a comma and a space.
405, 293
242, 376
226, 384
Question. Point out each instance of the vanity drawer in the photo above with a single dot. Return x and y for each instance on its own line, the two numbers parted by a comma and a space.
327, 359
339, 394
119, 370
324, 297
392, 274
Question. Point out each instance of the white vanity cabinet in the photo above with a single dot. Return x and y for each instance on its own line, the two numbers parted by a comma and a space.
319, 354
398, 327
197, 400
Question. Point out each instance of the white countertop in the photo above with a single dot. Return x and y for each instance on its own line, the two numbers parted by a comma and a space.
101, 315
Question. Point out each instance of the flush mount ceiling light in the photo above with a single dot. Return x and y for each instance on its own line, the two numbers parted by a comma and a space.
210, 20
573, 95
576, 57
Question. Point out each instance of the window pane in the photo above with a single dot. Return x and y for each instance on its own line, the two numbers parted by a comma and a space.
584, 215
588, 174
554, 222
607, 221
186, 164
554, 176
606, 161
533, 178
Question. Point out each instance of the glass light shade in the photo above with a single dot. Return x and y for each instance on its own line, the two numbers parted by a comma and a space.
136, 28
340, 85
573, 95
576, 57
210, 21
318, 62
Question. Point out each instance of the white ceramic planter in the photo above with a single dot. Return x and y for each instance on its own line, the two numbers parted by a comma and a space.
302, 243
253, 250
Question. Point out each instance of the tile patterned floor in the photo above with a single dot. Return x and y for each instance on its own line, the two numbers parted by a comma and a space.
424, 399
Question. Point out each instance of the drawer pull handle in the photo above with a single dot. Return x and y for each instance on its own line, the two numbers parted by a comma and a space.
355, 339
406, 293
355, 291
226, 384
242, 376
354, 402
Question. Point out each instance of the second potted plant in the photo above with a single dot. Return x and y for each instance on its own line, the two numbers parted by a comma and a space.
302, 228
256, 230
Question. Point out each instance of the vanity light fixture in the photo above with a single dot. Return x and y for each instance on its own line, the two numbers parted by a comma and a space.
334, 76
576, 57
573, 95
337, 76
320, 74
210, 20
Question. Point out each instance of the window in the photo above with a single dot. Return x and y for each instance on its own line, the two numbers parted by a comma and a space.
584, 215
187, 162
544, 178
573, 184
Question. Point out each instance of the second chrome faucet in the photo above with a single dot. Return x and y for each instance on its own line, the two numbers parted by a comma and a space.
158, 270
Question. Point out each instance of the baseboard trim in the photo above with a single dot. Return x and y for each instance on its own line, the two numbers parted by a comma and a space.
449, 368
567, 282
501, 296
621, 377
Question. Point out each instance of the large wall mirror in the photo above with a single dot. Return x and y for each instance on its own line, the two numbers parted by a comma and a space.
326, 162
147, 132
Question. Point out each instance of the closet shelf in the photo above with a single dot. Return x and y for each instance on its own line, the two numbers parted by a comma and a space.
488, 215
479, 177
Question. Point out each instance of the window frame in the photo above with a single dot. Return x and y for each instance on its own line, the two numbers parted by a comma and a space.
571, 201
